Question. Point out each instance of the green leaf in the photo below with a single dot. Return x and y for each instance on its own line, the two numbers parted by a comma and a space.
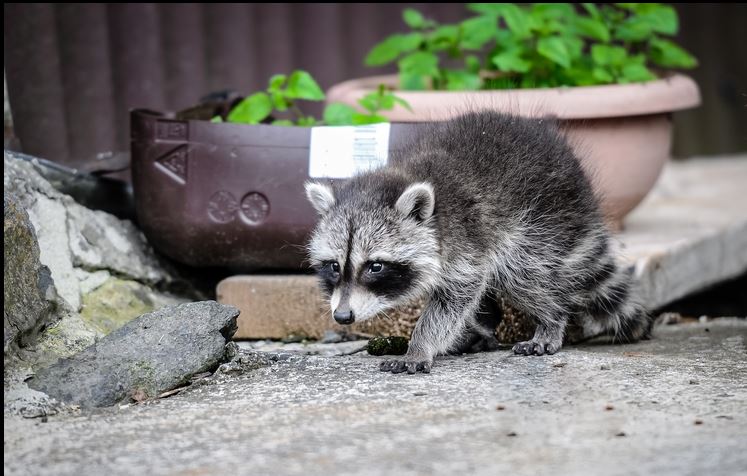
393, 46
423, 63
591, 28
283, 122
251, 110
443, 36
413, 18
518, 20
612, 15
276, 82
633, 29
338, 114
661, 19
634, 7
640, 58
412, 82
363, 119
472, 63
592, 10
666, 53
546, 19
385, 101
637, 72
574, 45
402, 102
604, 55
477, 31
458, 80
602, 75
511, 61
216, 119
383, 53
579, 75
302, 86
554, 11
373, 102
554, 49
307, 121
486, 8
279, 101
506, 39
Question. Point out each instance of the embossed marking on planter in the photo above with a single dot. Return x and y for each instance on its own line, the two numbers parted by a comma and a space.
171, 130
254, 208
174, 164
222, 207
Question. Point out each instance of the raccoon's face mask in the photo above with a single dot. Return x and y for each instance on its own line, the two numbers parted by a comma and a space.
370, 255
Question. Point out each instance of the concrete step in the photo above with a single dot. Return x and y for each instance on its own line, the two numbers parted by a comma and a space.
689, 233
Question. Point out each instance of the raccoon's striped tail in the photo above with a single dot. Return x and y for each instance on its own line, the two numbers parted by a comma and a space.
614, 309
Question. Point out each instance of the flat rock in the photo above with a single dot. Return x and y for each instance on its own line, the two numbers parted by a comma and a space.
154, 353
674, 405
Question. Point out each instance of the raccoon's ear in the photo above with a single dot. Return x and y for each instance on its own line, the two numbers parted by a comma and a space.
417, 200
320, 196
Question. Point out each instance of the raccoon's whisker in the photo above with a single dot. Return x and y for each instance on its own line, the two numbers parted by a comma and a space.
386, 316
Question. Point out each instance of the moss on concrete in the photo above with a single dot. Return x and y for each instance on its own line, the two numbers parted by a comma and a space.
387, 346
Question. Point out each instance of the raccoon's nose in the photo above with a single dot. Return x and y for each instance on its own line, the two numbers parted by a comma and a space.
344, 317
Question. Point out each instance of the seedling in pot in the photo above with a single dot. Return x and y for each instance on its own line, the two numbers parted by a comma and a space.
283, 92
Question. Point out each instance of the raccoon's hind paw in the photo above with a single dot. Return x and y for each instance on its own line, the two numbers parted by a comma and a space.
410, 366
536, 347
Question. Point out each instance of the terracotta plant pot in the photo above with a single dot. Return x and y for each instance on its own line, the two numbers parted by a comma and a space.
622, 133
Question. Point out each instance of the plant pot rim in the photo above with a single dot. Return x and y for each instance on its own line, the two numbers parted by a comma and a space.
673, 92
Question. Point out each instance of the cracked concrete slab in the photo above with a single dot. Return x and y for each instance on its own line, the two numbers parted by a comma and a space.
674, 405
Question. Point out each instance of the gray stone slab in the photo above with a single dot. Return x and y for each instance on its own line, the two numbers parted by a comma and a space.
691, 231
675, 405
151, 354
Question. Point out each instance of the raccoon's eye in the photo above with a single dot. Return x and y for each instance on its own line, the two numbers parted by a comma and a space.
335, 266
375, 267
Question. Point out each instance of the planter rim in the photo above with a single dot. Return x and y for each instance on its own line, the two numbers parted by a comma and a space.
672, 93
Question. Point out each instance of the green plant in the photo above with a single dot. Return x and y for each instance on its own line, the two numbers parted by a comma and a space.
540, 45
283, 92
338, 114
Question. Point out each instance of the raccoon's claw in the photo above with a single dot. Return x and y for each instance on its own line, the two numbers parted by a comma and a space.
532, 347
409, 366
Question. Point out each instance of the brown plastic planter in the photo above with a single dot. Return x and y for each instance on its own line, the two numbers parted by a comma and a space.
218, 194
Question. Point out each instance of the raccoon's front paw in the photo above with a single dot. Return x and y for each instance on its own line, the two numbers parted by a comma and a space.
409, 365
537, 347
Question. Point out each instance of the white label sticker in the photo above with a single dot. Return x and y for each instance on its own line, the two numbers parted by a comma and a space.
344, 151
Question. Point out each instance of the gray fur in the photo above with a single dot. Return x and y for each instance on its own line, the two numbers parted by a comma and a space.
483, 205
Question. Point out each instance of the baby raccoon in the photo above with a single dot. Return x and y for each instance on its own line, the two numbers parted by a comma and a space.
484, 205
